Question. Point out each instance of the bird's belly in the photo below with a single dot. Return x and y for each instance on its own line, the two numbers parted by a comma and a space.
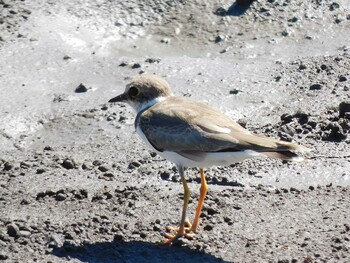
209, 159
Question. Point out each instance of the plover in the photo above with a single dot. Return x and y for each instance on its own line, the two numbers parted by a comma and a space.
191, 134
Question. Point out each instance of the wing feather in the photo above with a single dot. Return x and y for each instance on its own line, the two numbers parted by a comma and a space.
196, 127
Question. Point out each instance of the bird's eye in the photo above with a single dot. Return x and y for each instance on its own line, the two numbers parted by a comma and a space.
133, 92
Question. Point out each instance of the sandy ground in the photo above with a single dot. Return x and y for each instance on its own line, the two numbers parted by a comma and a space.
78, 185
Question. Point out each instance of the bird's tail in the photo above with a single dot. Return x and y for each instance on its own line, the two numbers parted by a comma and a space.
286, 151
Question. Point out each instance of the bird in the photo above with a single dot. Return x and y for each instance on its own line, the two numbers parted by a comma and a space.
191, 134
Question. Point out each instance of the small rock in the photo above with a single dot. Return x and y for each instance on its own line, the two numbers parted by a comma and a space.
68, 164
134, 165
8, 166
212, 211
96, 163
165, 175
316, 86
278, 78
40, 171
48, 148
152, 60
60, 197
323, 67
334, 6
13, 230
118, 237
103, 168
219, 38
3, 255
344, 107
166, 40
235, 91
220, 11
66, 57
136, 65
208, 227
342, 78
286, 118
123, 64
25, 202
302, 67
24, 165
69, 235
81, 88
109, 175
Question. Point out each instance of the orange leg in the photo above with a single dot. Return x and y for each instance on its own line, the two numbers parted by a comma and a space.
185, 225
203, 193
181, 230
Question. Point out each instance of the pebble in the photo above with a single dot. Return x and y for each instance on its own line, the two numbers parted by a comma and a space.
152, 60
60, 197
165, 175
220, 11
8, 166
13, 230
40, 171
103, 168
81, 88
68, 164
342, 78
123, 64
316, 86
208, 227
136, 65
344, 107
3, 255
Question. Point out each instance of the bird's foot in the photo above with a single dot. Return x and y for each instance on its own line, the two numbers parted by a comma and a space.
180, 232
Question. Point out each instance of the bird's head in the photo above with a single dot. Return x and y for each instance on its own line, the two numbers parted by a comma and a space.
144, 91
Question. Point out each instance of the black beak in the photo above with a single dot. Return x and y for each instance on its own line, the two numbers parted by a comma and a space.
119, 98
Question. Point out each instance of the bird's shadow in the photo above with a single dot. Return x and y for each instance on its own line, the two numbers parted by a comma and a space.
235, 9
135, 251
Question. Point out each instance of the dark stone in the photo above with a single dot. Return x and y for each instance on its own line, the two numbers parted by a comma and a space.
302, 67
8, 166
165, 175
13, 230
123, 64
342, 78
103, 168
136, 65
48, 148
68, 164
334, 6
220, 11
208, 227
81, 88
40, 171
3, 255
212, 211
286, 118
316, 86
60, 197
235, 91
344, 107
218, 39
152, 60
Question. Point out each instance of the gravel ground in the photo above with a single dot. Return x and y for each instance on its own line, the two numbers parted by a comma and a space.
78, 185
